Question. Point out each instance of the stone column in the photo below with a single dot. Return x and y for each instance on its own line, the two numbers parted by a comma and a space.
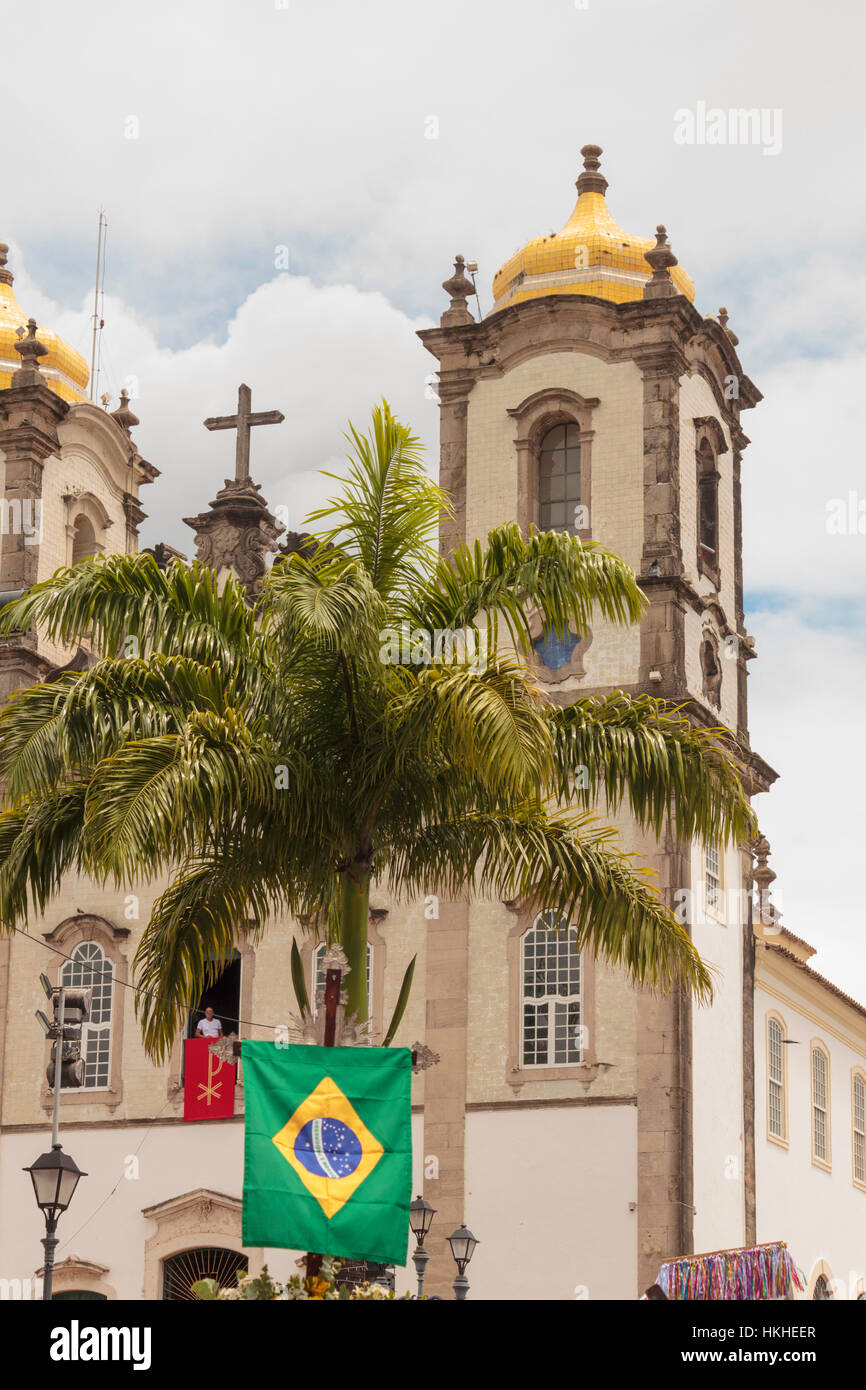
29, 416
447, 990
665, 1194
453, 426
665, 1139
663, 627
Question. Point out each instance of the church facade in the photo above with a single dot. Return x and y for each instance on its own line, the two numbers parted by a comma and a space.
584, 1129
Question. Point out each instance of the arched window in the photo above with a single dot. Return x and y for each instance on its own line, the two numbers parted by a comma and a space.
776, 1101
820, 1106
77, 1295
551, 1002
822, 1290
559, 480
181, 1271
708, 510
83, 539
858, 1120
319, 975
90, 969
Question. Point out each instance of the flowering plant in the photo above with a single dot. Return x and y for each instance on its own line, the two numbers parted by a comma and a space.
317, 1288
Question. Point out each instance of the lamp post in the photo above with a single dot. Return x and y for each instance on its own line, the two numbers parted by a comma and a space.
55, 1177
463, 1244
420, 1220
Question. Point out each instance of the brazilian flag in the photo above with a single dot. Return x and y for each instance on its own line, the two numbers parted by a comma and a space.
328, 1149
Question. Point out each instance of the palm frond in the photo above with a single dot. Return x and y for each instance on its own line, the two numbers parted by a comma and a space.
125, 604
561, 577
191, 936
388, 508
642, 751
566, 864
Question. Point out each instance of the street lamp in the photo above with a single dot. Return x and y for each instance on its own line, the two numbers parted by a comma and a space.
463, 1245
55, 1177
420, 1220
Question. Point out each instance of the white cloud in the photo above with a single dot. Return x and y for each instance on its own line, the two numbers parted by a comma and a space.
806, 718
320, 355
305, 125
806, 450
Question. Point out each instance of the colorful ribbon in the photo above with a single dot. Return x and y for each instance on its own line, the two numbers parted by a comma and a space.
760, 1271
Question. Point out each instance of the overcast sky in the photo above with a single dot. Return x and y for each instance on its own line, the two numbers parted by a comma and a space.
227, 139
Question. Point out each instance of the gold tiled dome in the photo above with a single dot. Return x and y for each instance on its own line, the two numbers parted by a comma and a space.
591, 255
65, 370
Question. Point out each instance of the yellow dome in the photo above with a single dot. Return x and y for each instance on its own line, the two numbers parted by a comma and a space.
65, 370
591, 255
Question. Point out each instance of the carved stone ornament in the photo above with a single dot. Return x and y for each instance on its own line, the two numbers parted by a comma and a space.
711, 669
423, 1057
237, 533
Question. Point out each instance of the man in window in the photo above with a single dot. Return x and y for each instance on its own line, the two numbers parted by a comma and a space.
209, 1027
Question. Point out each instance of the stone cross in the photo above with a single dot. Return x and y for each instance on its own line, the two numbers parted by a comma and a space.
243, 423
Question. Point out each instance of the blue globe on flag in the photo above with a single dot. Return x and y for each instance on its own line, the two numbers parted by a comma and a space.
328, 1148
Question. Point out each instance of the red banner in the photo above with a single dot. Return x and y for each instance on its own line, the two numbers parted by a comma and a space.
208, 1083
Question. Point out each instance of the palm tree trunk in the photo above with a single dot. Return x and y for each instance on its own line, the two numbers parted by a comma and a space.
355, 912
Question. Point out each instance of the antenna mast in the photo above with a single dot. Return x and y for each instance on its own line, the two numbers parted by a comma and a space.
97, 290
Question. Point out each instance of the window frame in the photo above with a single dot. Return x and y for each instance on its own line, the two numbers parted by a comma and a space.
776, 1018
550, 999
573, 444
858, 1074
715, 911
710, 444
89, 1030
824, 1162
709, 562
68, 934
535, 416
582, 1074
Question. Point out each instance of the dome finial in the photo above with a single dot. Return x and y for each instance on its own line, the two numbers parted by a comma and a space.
460, 287
5, 275
30, 350
123, 415
591, 180
661, 258
723, 320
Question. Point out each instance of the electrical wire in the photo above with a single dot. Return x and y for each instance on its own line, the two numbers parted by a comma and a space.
138, 989
105, 1200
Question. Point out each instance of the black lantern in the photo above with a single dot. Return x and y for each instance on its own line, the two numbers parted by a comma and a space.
420, 1220
463, 1244
55, 1177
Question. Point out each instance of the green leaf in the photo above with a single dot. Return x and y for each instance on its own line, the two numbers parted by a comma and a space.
402, 1001
299, 982
205, 1289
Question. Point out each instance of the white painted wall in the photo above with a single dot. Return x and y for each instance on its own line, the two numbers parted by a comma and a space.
717, 1070
172, 1160
547, 1195
821, 1215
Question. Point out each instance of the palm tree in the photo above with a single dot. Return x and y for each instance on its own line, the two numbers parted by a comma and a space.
279, 755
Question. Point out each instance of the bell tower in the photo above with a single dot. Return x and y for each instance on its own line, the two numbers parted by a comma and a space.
595, 398
70, 475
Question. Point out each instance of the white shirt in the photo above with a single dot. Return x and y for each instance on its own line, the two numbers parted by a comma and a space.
210, 1028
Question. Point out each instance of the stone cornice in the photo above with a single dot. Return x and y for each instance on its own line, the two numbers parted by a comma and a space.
670, 330
40, 397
